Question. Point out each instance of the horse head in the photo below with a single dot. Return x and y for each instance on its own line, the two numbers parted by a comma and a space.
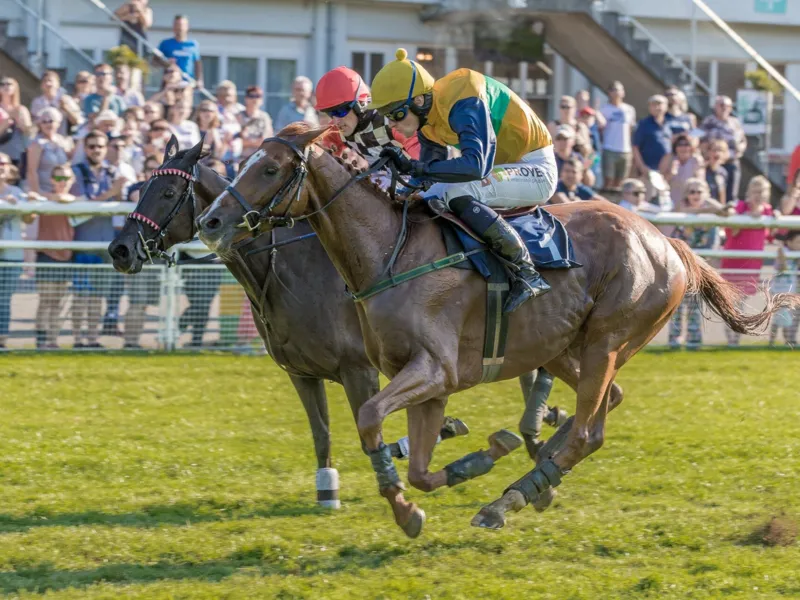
165, 213
269, 190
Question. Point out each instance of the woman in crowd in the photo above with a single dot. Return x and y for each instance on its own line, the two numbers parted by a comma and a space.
695, 200
185, 130
18, 125
156, 139
47, 150
131, 96
207, 119
682, 164
171, 80
10, 230
756, 204
678, 118
54, 96
716, 174
139, 18
52, 273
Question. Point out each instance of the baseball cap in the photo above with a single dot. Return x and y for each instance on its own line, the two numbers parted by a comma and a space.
565, 131
588, 111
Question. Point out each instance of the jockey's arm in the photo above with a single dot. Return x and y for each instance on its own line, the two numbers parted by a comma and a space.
470, 120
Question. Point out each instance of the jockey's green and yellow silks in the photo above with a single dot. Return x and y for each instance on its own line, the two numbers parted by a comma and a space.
516, 128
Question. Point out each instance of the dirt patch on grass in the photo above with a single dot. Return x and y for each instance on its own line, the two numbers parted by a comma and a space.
780, 530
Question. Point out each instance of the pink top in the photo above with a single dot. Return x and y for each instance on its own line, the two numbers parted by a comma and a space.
745, 239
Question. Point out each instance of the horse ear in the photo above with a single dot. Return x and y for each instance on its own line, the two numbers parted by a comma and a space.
172, 148
310, 136
194, 154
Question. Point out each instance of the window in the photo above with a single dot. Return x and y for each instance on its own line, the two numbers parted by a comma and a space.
210, 71
243, 72
367, 64
280, 75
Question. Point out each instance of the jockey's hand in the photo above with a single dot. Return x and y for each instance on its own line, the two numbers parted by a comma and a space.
404, 164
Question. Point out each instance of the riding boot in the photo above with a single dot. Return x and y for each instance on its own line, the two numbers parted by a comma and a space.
506, 243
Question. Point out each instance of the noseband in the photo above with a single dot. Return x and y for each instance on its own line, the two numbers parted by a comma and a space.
151, 245
254, 219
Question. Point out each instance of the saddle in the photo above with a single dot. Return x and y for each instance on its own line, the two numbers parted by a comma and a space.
549, 246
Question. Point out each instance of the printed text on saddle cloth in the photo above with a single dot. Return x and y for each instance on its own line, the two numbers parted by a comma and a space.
530, 182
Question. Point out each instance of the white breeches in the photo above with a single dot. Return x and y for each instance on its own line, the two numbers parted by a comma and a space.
530, 182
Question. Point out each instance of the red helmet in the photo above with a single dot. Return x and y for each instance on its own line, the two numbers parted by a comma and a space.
340, 86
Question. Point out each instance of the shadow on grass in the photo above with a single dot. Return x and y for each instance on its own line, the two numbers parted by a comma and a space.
256, 560
203, 511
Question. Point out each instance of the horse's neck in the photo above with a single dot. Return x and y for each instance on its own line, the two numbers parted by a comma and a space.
358, 230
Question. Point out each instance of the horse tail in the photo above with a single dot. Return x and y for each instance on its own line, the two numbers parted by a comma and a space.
724, 298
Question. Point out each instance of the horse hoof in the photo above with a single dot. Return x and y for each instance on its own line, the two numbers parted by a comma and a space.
562, 417
455, 426
556, 417
505, 440
416, 521
545, 500
489, 518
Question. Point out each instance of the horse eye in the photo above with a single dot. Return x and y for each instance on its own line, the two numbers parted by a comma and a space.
271, 170
169, 193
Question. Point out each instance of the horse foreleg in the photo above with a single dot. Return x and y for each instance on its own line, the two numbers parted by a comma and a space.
420, 380
312, 394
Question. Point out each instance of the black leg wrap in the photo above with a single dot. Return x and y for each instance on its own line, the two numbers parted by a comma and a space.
546, 474
468, 467
383, 466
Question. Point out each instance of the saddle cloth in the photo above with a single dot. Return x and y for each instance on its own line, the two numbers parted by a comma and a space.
544, 235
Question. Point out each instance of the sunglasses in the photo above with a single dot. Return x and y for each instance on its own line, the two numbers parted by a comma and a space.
117, 146
6, 84
95, 146
683, 145
4, 164
60, 178
565, 106
46, 122
251, 97
81, 81
693, 192
159, 129
638, 193
340, 112
103, 73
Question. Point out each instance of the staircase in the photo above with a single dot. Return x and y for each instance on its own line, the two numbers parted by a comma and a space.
14, 62
604, 45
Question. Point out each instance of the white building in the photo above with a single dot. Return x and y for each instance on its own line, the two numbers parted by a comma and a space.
268, 42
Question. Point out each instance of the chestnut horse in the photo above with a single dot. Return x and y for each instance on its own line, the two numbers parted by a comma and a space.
427, 334
308, 323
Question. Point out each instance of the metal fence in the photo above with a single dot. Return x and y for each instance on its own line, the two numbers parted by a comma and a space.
53, 305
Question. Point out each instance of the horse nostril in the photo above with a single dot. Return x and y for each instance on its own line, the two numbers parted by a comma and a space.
212, 224
120, 251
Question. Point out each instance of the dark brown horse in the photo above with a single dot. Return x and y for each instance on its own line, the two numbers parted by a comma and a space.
427, 334
308, 324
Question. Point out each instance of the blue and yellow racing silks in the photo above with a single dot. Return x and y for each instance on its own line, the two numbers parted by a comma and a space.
485, 120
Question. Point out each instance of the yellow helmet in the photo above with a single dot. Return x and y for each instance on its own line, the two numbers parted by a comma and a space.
400, 80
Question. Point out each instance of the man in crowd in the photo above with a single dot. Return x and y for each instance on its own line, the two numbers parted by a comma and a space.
132, 97
634, 197
182, 51
256, 124
617, 127
652, 139
299, 108
570, 188
95, 181
105, 96
722, 125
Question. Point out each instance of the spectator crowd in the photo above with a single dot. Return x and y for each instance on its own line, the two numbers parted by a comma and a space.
98, 138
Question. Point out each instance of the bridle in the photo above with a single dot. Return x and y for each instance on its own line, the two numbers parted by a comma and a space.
254, 219
153, 246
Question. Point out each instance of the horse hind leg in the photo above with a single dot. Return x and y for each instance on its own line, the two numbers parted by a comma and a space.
315, 402
597, 373
536, 387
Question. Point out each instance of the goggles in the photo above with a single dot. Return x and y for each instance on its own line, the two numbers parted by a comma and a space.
398, 112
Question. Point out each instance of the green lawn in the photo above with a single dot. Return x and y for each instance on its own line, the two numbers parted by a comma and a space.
193, 477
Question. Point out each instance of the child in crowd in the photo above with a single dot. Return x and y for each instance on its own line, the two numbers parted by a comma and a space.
745, 272
787, 280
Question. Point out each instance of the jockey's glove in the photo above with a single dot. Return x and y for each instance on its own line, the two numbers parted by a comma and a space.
402, 162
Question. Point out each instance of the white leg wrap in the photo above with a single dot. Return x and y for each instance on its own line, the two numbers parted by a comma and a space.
328, 488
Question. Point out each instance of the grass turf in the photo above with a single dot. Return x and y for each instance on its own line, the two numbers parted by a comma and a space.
193, 477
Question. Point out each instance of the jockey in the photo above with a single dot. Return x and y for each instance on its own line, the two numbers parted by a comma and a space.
343, 96
507, 158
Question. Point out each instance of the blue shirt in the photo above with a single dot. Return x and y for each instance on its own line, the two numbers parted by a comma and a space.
93, 102
584, 192
96, 229
678, 124
653, 141
185, 54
